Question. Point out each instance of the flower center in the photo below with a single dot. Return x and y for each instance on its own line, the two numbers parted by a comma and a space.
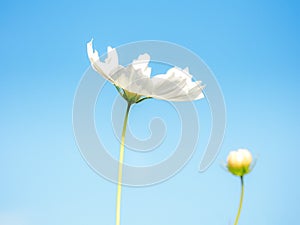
131, 97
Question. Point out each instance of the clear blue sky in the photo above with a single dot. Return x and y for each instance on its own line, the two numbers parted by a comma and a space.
251, 46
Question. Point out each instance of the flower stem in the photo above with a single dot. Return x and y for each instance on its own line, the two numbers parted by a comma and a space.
120, 170
241, 201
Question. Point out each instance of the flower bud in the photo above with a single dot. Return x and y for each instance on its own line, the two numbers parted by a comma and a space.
238, 162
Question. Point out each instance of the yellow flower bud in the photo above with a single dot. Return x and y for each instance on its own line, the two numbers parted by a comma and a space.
238, 162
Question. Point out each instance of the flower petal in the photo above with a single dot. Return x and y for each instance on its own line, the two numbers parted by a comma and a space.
132, 80
106, 68
176, 85
141, 63
135, 77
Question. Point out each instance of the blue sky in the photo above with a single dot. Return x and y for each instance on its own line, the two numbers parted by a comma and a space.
252, 48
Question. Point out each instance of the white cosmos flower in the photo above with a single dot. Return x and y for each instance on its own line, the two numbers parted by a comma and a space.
239, 162
175, 85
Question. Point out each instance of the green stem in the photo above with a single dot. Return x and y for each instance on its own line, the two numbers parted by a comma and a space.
241, 202
120, 170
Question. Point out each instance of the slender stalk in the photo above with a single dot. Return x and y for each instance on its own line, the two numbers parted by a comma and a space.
241, 201
120, 170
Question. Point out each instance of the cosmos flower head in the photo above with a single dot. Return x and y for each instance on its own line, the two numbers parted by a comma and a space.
134, 81
239, 162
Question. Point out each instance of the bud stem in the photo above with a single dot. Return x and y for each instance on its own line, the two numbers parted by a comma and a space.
120, 170
241, 201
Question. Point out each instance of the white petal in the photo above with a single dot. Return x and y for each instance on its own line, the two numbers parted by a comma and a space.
133, 80
106, 68
141, 63
109, 49
176, 85
186, 70
93, 55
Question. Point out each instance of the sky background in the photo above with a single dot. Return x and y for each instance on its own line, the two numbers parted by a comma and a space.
251, 46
